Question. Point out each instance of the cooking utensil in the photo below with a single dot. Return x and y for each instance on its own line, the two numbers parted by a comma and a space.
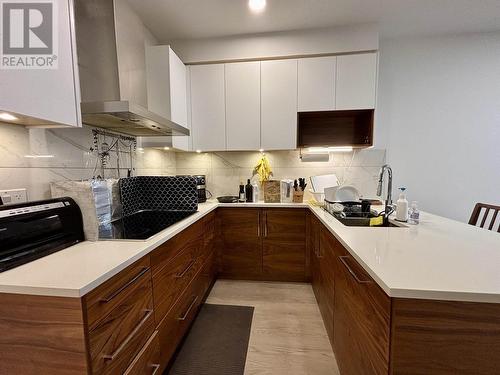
228, 199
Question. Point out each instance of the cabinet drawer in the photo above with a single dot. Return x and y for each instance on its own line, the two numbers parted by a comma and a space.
173, 327
147, 362
113, 292
164, 253
120, 335
171, 280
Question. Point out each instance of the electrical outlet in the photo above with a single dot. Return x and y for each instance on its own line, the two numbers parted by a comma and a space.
14, 196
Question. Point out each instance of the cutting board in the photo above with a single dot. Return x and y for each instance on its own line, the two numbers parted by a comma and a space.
319, 183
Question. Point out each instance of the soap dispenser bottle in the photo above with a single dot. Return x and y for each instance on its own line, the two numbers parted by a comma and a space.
402, 206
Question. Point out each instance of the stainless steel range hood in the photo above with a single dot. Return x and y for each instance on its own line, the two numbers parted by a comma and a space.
112, 80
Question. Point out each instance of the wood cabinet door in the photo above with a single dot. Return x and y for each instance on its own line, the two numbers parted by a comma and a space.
241, 248
314, 244
284, 244
327, 285
361, 320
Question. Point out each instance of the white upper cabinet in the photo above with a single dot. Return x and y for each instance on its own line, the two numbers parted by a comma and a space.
46, 96
167, 92
279, 104
243, 105
356, 81
208, 119
316, 80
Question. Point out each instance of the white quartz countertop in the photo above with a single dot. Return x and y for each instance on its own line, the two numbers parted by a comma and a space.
437, 259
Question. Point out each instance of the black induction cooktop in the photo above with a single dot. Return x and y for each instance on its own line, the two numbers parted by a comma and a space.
141, 225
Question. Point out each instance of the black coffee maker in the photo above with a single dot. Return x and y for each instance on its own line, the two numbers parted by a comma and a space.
201, 187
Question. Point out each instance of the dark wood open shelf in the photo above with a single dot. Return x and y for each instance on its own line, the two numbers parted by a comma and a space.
335, 128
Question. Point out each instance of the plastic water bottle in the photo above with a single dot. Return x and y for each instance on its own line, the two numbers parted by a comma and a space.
414, 217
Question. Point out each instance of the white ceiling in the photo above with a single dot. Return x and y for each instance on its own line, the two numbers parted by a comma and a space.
187, 19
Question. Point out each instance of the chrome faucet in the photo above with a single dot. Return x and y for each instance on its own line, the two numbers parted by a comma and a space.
389, 208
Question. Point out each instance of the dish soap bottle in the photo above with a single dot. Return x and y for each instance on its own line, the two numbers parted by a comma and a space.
402, 206
249, 191
414, 214
242, 197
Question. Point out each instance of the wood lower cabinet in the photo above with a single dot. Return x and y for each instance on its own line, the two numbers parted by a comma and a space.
176, 323
361, 320
284, 244
263, 244
327, 279
241, 248
117, 339
314, 230
170, 280
444, 337
42, 335
131, 324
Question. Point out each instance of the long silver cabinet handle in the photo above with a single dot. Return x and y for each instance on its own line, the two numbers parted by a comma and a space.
353, 274
110, 297
124, 343
155, 367
182, 318
181, 275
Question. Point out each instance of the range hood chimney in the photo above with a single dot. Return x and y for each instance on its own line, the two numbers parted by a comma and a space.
113, 96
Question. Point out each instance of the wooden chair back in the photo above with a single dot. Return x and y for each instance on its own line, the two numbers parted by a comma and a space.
486, 216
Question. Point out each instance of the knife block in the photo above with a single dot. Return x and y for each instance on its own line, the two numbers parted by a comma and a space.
298, 196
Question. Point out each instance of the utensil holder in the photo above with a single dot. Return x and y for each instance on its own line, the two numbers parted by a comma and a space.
298, 196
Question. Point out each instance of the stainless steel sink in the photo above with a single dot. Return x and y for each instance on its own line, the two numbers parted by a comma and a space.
365, 222
358, 219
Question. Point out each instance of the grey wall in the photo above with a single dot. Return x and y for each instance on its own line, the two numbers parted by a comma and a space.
439, 102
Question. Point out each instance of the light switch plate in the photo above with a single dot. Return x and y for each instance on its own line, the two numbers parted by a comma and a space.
14, 196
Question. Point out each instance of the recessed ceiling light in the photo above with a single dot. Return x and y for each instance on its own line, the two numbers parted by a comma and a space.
166, 148
198, 151
256, 5
7, 117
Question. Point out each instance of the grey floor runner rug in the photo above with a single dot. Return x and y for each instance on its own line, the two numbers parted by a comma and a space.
217, 342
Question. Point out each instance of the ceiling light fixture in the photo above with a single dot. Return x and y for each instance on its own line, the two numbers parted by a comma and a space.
7, 117
166, 148
198, 151
256, 5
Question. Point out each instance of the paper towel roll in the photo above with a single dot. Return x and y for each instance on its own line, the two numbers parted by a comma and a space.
306, 158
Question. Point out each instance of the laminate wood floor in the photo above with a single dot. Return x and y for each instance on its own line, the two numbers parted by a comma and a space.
288, 336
